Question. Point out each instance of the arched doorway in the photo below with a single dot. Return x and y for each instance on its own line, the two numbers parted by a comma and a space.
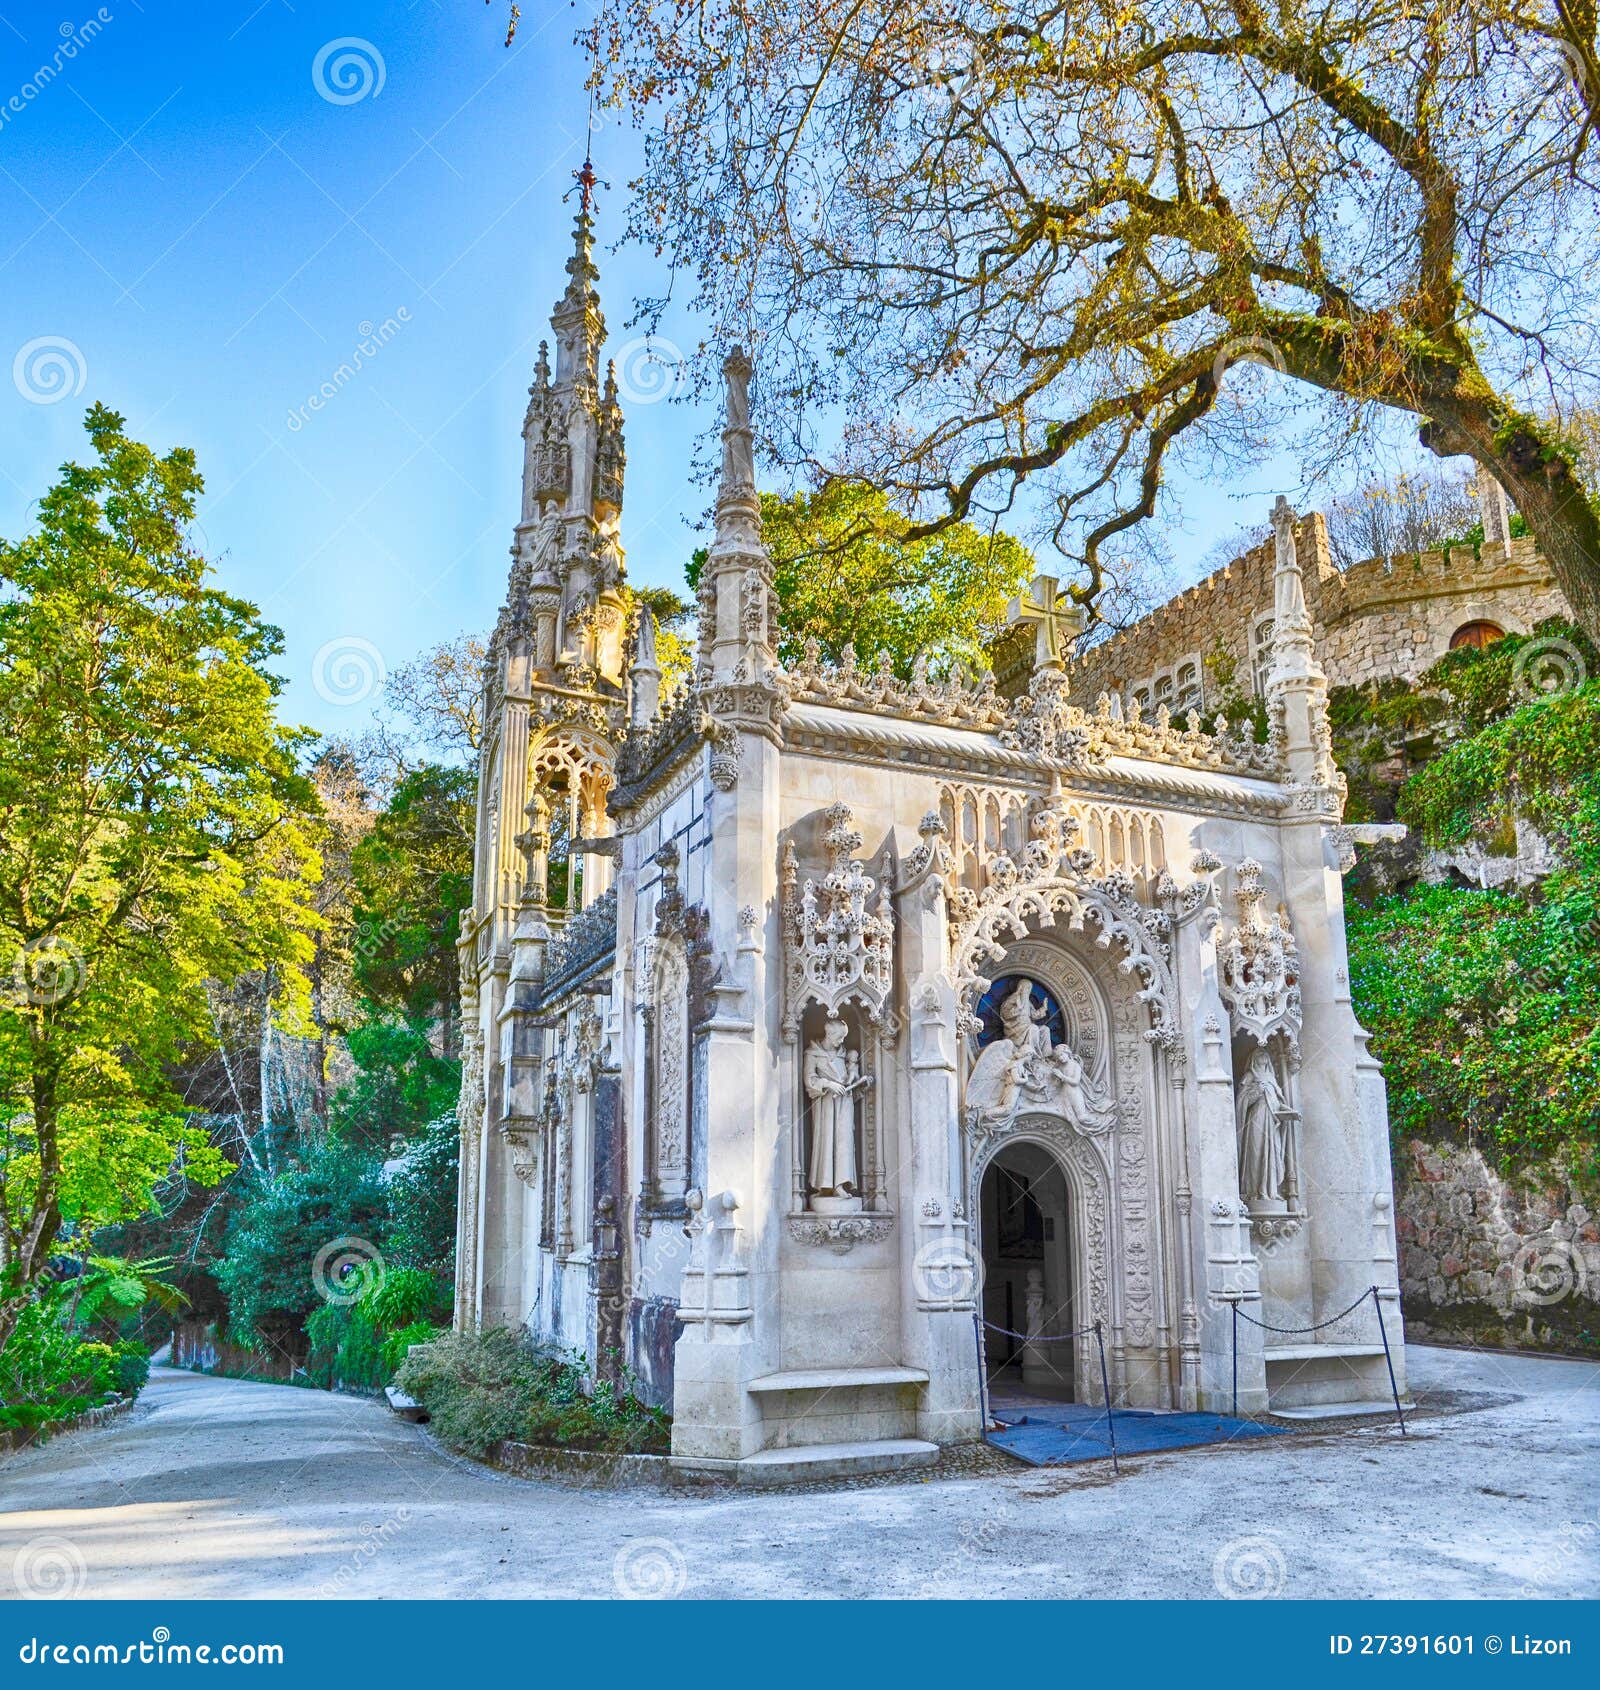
1030, 1287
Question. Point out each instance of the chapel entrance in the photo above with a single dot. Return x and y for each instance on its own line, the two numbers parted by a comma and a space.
1029, 1286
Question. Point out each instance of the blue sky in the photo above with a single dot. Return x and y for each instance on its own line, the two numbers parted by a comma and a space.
192, 232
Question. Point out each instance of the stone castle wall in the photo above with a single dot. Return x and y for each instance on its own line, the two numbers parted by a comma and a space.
1486, 1260
1374, 620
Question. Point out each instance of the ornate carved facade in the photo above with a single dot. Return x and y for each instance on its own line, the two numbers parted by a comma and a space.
820, 1009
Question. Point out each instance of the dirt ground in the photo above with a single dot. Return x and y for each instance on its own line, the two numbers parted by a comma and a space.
215, 1487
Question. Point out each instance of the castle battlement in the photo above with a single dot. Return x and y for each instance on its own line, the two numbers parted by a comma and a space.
1381, 617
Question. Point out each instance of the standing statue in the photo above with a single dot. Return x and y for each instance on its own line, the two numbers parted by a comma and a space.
1262, 1149
832, 1078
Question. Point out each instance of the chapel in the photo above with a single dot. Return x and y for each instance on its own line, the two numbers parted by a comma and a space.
846, 1050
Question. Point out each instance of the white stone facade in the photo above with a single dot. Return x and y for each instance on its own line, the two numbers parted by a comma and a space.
820, 1012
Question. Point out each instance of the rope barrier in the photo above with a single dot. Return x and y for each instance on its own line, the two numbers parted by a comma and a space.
1332, 1320
1299, 1331
1041, 1337
1096, 1332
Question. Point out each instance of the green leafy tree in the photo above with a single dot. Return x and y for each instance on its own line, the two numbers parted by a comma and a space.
413, 877
151, 840
846, 573
309, 1237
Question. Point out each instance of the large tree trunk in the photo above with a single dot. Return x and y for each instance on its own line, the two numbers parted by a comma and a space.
1462, 417
1539, 481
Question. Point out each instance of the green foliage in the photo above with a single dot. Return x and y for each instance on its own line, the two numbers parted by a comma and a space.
422, 1201
844, 576
151, 840
1484, 1006
346, 1350
401, 1082
112, 1287
276, 1236
1530, 763
51, 1371
413, 877
397, 1343
407, 1294
482, 1387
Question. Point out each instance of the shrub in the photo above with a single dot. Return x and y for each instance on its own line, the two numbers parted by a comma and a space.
406, 1296
422, 1200
275, 1237
397, 1343
345, 1349
481, 1388
49, 1372
476, 1386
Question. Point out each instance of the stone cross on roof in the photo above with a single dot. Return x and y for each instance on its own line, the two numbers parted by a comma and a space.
1057, 622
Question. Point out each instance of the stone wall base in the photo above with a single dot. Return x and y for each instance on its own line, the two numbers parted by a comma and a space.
1510, 1263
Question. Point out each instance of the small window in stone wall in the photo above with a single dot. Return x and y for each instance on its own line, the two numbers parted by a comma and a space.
1188, 685
1476, 634
1163, 691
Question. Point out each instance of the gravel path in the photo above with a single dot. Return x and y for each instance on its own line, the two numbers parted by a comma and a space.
215, 1487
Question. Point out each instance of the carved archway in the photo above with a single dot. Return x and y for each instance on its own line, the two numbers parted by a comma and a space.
1053, 882
1084, 1167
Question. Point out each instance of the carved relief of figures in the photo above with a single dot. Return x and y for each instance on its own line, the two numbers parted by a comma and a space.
832, 1078
1026, 1068
1263, 1122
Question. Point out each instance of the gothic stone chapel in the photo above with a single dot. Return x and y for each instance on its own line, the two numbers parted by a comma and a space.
813, 1013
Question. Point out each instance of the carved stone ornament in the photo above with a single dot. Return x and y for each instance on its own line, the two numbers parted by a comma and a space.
838, 934
1054, 879
840, 1233
1258, 970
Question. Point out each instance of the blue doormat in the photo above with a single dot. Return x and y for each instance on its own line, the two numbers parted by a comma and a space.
1052, 1435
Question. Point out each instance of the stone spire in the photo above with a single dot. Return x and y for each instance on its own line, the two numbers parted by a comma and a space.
736, 603
645, 672
1297, 688
565, 601
1495, 510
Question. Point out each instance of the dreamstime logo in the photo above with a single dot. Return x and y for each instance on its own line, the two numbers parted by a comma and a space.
1549, 1270
49, 1567
649, 1568
650, 370
1248, 1569
348, 670
1575, 70
947, 1270
953, 68
346, 1269
1545, 668
48, 370
73, 37
47, 972
348, 70
371, 341
1247, 349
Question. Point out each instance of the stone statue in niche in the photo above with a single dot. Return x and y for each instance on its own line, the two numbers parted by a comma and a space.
832, 1078
1024, 1069
1263, 1133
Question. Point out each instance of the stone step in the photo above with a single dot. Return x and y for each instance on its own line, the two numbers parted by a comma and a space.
806, 1462
1320, 1352
836, 1379
1339, 1410
408, 1408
